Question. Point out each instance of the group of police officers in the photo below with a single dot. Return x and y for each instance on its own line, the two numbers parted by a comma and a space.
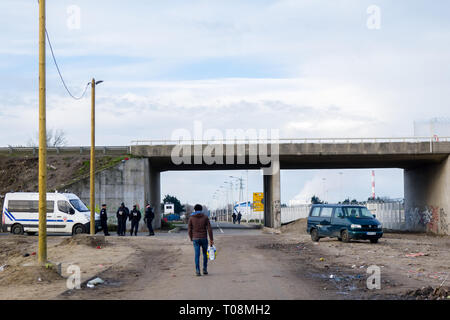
123, 214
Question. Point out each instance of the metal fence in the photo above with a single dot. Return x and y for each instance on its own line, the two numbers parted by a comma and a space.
289, 214
67, 150
390, 214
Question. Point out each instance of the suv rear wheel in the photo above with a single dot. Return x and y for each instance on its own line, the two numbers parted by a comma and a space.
315, 235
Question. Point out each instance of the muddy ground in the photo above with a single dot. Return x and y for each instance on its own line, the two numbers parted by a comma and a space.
250, 265
407, 261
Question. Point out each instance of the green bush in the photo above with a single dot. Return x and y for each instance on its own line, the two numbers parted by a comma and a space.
166, 225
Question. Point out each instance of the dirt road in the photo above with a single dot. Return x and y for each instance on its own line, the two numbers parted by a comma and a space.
241, 271
250, 265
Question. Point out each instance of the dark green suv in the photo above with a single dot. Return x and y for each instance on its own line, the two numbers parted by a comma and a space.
344, 222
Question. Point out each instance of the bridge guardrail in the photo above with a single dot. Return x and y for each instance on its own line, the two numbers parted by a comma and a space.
65, 150
293, 140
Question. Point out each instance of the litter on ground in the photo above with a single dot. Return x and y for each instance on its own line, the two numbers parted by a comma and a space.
94, 282
418, 254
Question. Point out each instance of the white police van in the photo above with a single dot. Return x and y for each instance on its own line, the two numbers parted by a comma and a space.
66, 213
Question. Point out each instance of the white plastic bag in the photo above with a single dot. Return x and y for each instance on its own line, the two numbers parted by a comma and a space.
211, 253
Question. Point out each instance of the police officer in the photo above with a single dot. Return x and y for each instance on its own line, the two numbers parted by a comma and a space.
122, 216
104, 219
135, 217
148, 218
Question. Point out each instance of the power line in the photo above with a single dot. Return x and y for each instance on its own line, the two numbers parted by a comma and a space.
59, 71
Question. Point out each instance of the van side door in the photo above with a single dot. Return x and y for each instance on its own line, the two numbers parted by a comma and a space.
325, 221
338, 222
63, 216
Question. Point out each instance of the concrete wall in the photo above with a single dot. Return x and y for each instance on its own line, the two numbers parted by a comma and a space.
427, 196
127, 182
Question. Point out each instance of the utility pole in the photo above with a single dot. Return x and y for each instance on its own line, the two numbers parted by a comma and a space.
92, 173
42, 246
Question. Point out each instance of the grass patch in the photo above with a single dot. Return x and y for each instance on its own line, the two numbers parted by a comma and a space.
101, 163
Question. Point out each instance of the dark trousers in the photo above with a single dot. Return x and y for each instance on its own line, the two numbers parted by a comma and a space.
203, 243
104, 227
119, 226
134, 227
123, 227
150, 227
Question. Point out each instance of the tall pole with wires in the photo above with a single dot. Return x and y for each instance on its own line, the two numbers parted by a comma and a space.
92, 173
42, 245
92, 166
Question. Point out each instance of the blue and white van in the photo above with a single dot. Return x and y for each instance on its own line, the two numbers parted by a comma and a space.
66, 213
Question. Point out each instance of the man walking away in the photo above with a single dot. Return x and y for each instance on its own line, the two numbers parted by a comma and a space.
104, 220
234, 217
199, 228
135, 217
239, 217
122, 215
148, 218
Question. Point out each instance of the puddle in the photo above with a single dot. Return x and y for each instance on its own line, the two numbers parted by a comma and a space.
343, 283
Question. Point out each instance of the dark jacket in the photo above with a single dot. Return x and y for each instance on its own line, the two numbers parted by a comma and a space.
135, 215
149, 215
199, 227
122, 213
103, 215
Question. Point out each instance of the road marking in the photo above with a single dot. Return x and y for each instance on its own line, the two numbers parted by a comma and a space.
219, 227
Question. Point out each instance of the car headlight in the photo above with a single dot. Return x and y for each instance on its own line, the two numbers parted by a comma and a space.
380, 226
356, 226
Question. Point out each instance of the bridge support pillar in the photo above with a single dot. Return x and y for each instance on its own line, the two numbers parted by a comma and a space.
427, 197
272, 197
153, 194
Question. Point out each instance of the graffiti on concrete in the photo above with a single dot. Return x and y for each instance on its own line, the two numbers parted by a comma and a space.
444, 221
431, 219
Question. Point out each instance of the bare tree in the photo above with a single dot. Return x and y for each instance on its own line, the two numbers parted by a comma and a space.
55, 138
59, 138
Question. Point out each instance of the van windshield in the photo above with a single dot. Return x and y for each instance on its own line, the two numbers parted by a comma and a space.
357, 212
79, 205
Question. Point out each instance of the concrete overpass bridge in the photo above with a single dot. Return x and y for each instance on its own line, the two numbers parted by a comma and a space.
425, 162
